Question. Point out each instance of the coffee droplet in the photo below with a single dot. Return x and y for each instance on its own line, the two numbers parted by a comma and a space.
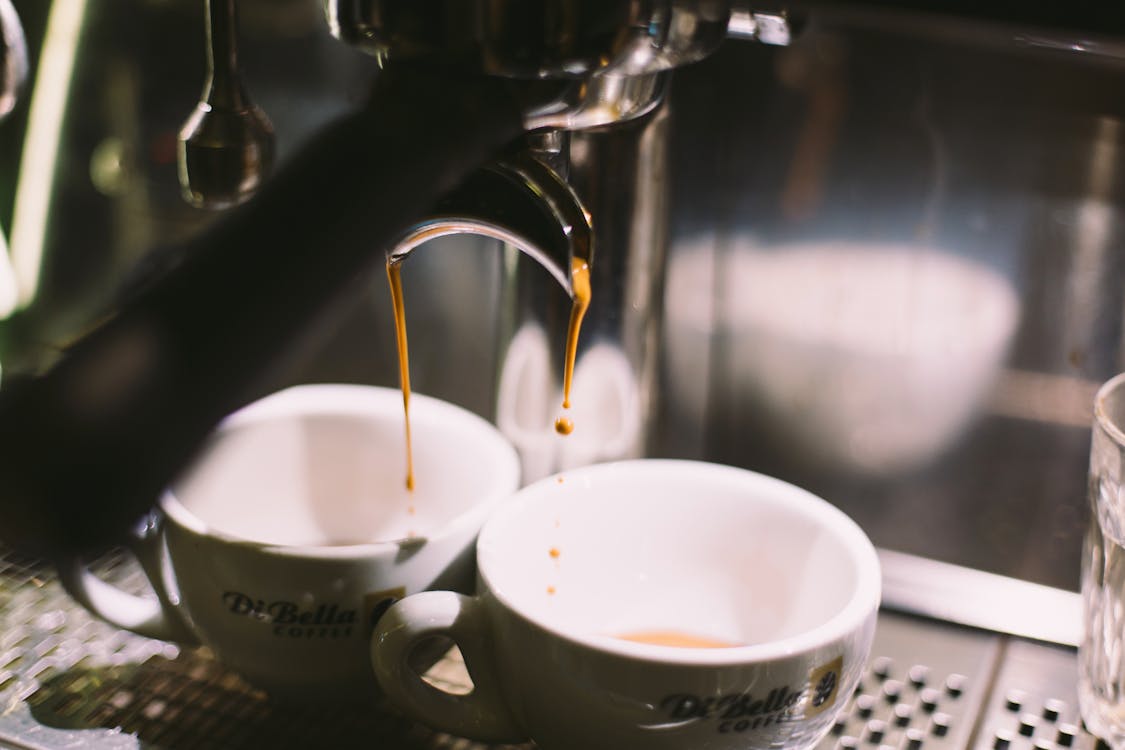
555, 552
564, 426
550, 589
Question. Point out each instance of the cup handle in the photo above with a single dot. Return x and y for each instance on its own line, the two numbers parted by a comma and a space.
160, 618
482, 714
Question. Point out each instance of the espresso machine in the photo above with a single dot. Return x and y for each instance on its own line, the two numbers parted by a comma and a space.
869, 248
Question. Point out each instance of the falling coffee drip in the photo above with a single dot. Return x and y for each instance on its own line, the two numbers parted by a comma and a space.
580, 282
394, 276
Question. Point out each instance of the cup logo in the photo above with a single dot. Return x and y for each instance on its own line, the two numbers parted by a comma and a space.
288, 620
735, 712
744, 712
824, 684
325, 621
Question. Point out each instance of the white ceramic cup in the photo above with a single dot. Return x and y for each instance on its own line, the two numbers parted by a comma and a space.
648, 546
294, 530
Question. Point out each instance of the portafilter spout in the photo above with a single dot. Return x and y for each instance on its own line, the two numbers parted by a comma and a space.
519, 200
87, 447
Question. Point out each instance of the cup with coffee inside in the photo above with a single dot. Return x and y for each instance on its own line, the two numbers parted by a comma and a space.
293, 530
655, 604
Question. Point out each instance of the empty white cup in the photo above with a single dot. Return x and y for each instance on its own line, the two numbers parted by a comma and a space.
772, 592
294, 530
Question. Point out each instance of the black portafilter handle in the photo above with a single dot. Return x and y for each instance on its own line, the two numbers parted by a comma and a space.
87, 447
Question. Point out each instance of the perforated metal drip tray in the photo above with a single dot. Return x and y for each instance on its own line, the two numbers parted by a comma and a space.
67, 680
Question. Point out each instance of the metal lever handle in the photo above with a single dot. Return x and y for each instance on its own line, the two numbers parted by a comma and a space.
226, 147
86, 447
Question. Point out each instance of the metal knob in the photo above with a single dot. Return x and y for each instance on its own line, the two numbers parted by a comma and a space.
226, 147
13, 58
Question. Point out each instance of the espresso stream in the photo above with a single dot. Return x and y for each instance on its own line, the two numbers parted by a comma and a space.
580, 282
394, 276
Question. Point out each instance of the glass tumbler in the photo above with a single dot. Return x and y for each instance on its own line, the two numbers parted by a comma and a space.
1101, 680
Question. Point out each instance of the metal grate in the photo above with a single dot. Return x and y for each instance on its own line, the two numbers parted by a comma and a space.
921, 690
1033, 705
935, 686
68, 680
